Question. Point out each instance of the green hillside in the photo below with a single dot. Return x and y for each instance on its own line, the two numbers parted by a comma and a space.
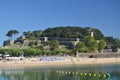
72, 32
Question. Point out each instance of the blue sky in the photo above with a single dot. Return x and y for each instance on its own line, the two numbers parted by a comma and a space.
29, 15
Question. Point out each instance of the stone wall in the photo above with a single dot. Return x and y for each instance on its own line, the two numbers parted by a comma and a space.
99, 55
64, 41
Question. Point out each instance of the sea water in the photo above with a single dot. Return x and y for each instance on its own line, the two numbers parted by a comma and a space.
76, 72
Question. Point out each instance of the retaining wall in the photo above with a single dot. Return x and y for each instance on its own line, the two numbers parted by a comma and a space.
99, 55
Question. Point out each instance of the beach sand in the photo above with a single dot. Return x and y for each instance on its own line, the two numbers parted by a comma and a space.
31, 62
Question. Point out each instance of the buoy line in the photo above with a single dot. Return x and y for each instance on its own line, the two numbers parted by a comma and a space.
105, 75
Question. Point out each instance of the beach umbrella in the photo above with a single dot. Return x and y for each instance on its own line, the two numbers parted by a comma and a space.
6, 55
0, 55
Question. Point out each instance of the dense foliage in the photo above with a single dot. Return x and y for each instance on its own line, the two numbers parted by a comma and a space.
72, 32
28, 52
114, 42
12, 33
33, 35
89, 44
65, 32
54, 44
101, 45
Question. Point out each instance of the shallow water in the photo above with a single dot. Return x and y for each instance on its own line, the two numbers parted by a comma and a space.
84, 72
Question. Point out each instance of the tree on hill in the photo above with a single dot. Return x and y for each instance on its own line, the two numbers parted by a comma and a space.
114, 42
101, 45
54, 44
35, 34
12, 33
90, 43
80, 47
27, 33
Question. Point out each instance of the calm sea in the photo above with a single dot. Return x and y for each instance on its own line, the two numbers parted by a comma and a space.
84, 72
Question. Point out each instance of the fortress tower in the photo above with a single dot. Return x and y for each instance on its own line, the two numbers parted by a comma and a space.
92, 34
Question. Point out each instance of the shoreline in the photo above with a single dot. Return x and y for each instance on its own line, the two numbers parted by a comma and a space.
32, 62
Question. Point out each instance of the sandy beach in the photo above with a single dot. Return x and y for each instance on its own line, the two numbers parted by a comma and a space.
31, 62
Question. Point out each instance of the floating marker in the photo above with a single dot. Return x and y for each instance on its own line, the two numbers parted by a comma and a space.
66, 72
99, 75
89, 74
73, 73
108, 76
94, 74
76, 73
81, 74
69, 72
104, 75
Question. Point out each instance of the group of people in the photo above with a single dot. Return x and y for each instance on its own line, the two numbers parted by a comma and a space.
52, 58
